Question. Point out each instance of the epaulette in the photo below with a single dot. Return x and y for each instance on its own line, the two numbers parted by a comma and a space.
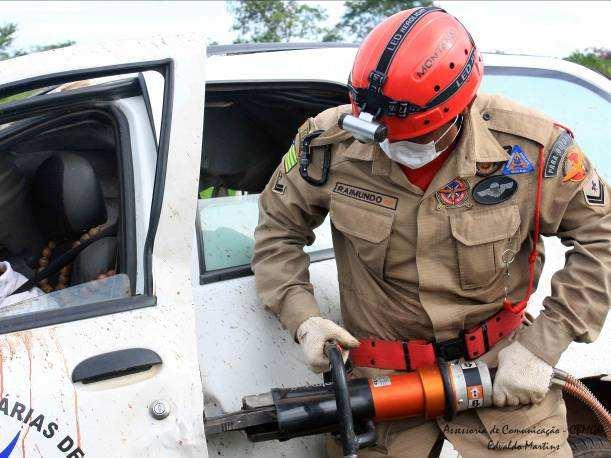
504, 115
526, 125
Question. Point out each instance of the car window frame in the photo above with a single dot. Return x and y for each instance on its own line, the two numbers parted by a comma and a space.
45, 102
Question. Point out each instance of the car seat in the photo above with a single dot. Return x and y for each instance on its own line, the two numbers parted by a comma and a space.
20, 240
70, 209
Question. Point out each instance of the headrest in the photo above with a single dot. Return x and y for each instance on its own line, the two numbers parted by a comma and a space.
68, 196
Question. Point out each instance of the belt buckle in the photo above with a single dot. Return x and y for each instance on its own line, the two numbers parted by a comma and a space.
450, 349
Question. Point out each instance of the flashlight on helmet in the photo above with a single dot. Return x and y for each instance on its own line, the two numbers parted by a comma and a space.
363, 128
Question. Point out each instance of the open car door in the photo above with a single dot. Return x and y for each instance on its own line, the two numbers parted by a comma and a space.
109, 368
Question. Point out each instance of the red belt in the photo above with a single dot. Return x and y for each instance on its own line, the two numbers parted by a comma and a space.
411, 354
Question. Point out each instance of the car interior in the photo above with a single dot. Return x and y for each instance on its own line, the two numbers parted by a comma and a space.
60, 188
249, 127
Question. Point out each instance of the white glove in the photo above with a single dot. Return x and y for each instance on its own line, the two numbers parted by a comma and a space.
521, 378
312, 335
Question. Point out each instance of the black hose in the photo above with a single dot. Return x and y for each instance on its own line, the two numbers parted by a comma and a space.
350, 445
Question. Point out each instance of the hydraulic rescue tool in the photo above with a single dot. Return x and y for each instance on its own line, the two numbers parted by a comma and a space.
349, 407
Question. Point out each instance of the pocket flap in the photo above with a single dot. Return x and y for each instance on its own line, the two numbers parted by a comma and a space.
484, 226
365, 224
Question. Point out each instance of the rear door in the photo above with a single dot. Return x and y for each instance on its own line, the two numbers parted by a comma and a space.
116, 376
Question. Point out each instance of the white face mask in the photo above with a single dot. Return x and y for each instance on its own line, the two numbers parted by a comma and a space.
415, 155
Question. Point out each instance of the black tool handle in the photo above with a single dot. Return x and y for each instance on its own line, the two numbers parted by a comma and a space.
350, 443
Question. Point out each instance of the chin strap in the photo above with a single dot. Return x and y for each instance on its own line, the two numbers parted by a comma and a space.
532, 258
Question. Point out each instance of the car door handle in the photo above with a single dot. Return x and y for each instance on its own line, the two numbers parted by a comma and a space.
115, 364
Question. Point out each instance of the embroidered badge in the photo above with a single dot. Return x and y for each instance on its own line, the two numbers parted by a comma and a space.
594, 191
483, 169
453, 195
494, 190
366, 195
554, 158
517, 163
574, 167
290, 159
278, 185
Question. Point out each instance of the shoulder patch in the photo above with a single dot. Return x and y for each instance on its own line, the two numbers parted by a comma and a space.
290, 158
574, 166
594, 191
554, 158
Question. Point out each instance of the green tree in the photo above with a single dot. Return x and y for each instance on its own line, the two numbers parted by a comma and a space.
61, 44
263, 21
361, 16
7, 35
597, 59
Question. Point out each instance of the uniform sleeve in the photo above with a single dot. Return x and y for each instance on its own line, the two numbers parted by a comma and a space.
575, 207
289, 210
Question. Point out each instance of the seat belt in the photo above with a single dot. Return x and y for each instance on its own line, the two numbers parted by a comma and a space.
66, 258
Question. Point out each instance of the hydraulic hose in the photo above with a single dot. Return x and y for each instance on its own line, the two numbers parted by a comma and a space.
578, 390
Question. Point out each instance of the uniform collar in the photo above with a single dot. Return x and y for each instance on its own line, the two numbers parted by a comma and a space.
359, 151
476, 144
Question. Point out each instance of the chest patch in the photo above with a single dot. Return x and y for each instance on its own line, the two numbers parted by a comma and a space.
554, 158
574, 167
517, 163
453, 195
494, 190
365, 195
594, 191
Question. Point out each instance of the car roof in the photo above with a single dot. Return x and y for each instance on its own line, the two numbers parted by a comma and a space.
331, 62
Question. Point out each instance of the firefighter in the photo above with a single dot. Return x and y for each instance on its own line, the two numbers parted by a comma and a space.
437, 197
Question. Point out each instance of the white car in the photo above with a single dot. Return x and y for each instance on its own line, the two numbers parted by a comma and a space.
129, 365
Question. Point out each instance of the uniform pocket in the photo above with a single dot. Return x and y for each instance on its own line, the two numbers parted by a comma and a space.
481, 238
367, 230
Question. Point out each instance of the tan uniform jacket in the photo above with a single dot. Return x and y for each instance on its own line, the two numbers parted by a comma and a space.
423, 265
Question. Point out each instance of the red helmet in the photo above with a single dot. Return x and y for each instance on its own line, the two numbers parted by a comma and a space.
415, 71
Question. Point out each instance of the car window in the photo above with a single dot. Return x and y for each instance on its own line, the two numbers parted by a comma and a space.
85, 265
227, 225
115, 287
585, 112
